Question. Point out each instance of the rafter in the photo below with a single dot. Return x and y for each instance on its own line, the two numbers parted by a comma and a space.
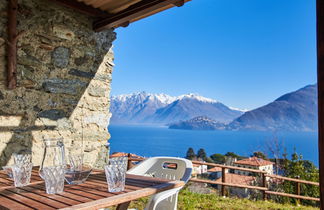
81, 7
135, 12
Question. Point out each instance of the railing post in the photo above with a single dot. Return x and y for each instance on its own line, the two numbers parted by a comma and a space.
264, 184
297, 188
223, 181
129, 162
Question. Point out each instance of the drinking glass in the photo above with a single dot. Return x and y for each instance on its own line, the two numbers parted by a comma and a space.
116, 173
21, 174
54, 179
21, 159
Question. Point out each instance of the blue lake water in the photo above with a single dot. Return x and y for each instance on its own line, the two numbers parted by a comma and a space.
158, 141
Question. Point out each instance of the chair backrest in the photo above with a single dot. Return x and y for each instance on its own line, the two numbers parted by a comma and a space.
164, 167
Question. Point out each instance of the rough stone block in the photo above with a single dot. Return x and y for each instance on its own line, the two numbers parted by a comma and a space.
64, 124
79, 73
103, 77
60, 57
63, 86
101, 120
28, 60
81, 60
96, 91
52, 114
63, 32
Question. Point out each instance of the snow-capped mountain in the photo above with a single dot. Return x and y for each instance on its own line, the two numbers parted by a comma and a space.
163, 109
136, 107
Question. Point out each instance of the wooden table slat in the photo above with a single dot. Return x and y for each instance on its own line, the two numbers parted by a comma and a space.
59, 197
123, 198
26, 201
38, 197
7, 203
56, 198
92, 194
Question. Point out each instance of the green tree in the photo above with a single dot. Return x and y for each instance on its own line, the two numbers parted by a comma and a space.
259, 154
201, 154
218, 158
190, 154
232, 154
209, 160
302, 169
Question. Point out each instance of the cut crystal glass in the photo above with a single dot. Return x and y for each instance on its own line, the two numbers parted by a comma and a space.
116, 174
54, 179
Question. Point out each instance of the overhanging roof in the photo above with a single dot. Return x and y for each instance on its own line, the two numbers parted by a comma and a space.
116, 13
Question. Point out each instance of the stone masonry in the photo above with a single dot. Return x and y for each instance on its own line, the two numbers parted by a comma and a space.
64, 76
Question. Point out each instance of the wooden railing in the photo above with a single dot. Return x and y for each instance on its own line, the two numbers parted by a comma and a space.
263, 188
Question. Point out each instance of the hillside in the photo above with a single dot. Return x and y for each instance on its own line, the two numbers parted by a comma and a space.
295, 111
198, 123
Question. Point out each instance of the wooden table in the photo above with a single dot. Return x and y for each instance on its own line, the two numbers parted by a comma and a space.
92, 194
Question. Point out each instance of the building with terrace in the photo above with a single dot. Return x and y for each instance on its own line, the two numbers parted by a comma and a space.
253, 163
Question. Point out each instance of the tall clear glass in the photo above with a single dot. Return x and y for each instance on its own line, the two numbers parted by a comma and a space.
54, 179
21, 174
116, 174
54, 154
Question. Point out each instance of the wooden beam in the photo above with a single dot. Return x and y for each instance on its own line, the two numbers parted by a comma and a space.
228, 184
292, 196
145, 7
82, 8
223, 181
12, 44
320, 86
292, 179
264, 184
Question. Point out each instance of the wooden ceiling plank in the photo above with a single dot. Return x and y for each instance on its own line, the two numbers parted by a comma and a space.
137, 10
81, 7
118, 6
151, 13
100, 3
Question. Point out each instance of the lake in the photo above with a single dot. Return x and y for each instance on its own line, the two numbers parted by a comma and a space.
160, 141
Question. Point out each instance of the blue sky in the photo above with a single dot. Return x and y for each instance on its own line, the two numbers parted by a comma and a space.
244, 53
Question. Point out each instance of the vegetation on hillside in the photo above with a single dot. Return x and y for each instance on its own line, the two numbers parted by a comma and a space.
295, 167
192, 201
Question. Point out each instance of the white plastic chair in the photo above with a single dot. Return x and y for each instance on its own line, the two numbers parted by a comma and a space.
167, 168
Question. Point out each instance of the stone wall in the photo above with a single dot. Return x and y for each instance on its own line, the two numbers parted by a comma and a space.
64, 75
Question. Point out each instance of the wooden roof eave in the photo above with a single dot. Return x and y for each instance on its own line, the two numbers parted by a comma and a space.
135, 12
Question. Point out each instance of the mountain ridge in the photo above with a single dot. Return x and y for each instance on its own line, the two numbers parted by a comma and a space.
294, 111
148, 108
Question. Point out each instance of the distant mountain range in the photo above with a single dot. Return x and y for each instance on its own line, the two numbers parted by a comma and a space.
295, 111
146, 108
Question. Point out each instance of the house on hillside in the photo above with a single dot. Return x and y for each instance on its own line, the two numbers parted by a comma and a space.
253, 163
237, 179
215, 172
198, 169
